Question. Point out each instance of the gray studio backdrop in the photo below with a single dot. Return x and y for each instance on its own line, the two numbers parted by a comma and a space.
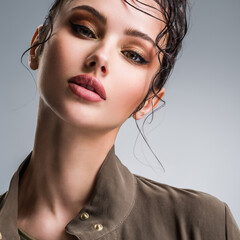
196, 136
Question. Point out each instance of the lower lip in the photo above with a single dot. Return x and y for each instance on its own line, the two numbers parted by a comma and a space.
84, 93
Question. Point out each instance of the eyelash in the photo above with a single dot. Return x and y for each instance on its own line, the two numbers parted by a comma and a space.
77, 28
129, 54
134, 54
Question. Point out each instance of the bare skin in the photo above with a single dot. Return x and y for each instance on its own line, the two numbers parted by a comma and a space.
69, 129
58, 197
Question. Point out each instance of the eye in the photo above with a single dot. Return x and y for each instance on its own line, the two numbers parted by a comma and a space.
135, 57
83, 31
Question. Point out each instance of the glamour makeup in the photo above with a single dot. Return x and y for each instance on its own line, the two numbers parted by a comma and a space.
87, 87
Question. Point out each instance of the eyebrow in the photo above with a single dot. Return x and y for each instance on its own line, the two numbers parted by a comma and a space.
93, 11
136, 33
103, 19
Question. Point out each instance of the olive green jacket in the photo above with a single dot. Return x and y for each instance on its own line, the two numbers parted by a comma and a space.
127, 206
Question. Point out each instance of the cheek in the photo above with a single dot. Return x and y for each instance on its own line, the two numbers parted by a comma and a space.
55, 66
61, 59
129, 86
59, 56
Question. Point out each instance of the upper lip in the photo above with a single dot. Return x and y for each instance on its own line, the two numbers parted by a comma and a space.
90, 81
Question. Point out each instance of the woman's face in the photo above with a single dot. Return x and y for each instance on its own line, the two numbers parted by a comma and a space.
106, 39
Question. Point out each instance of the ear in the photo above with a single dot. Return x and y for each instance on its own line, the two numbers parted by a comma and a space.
33, 54
149, 105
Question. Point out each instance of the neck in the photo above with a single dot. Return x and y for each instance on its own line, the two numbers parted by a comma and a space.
63, 166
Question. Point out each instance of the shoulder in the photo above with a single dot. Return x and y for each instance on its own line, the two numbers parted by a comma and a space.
187, 205
175, 213
177, 195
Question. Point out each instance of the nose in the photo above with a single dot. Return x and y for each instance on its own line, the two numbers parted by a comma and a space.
97, 62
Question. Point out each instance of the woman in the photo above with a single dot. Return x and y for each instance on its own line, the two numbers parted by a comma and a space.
97, 66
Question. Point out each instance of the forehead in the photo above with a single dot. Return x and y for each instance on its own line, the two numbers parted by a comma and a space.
128, 14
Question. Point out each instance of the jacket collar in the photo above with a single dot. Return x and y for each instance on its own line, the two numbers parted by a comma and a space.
9, 209
110, 203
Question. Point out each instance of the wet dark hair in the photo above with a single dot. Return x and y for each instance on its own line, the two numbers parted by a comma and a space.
174, 17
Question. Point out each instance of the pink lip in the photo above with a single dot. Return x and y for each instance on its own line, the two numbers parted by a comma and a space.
97, 95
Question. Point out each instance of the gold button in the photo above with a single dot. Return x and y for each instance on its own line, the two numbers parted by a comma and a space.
0, 236
98, 227
84, 216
